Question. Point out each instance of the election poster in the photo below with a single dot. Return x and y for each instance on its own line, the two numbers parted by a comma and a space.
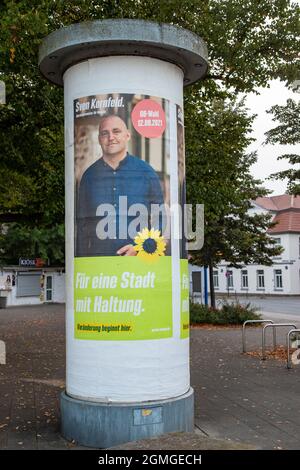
122, 258
184, 273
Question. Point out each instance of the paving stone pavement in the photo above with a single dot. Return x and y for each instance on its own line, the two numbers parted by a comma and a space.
240, 397
240, 401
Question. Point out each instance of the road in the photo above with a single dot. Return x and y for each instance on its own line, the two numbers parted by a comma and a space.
285, 305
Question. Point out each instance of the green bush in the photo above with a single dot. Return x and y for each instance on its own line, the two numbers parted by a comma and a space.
229, 314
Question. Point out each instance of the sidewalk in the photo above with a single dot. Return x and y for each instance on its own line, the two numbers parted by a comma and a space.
240, 401
240, 397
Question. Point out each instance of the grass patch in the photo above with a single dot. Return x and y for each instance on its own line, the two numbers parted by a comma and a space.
229, 314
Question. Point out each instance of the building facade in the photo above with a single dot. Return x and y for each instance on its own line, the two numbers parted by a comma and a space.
283, 277
31, 286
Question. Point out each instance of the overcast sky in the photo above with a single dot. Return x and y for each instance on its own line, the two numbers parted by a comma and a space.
267, 162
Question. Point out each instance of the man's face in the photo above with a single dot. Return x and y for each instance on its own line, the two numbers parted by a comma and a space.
113, 136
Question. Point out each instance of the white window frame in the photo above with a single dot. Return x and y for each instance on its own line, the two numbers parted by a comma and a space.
229, 279
277, 276
278, 243
244, 276
260, 279
216, 279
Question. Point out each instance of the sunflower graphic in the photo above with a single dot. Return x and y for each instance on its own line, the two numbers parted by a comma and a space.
149, 244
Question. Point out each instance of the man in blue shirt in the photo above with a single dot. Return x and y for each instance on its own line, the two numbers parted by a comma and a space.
115, 175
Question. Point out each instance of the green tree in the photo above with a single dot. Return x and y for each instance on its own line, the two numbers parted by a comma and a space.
249, 43
19, 241
218, 173
32, 143
287, 133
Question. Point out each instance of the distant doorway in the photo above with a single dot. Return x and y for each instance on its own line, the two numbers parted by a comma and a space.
49, 288
196, 286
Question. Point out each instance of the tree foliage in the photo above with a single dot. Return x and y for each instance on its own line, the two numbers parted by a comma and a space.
218, 172
22, 241
287, 132
249, 43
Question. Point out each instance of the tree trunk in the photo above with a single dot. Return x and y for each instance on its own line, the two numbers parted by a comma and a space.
211, 286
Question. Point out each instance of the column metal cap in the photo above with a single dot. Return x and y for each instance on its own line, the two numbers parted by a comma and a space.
102, 38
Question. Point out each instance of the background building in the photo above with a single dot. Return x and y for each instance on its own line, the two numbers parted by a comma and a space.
283, 277
31, 286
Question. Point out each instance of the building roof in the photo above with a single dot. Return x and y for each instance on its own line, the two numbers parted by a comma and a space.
287, 212
279, 203
286, 221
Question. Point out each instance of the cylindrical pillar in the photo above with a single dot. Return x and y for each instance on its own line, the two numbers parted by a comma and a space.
126, 267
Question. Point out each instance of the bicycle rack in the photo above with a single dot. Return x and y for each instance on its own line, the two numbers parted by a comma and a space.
255, 321
273, 325
288, 340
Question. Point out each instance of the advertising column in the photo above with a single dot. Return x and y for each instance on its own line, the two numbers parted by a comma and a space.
124, 324
127, 297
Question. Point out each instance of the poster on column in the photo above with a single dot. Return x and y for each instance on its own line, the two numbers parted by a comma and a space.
122, 259
184, 271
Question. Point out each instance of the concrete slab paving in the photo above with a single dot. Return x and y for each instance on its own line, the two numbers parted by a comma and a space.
183, 441
241, 402
249, 400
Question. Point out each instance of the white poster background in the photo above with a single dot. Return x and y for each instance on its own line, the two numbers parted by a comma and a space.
127, 371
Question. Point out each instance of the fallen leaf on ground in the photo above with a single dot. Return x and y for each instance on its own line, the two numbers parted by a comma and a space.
279, 354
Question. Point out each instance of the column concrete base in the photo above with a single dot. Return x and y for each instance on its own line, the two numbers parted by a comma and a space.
104, 425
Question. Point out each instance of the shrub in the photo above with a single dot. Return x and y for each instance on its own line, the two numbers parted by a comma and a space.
200, 313
229, 314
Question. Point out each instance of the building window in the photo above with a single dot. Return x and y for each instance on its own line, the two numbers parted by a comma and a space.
28, 284
244, 275
229, 277
277, 241
216, 279
260, 276
278, 278
196, 282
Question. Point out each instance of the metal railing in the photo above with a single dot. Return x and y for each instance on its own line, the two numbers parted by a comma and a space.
273, 325
255, 321
288, 340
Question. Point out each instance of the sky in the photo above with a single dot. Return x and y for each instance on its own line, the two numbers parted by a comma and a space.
267, 162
